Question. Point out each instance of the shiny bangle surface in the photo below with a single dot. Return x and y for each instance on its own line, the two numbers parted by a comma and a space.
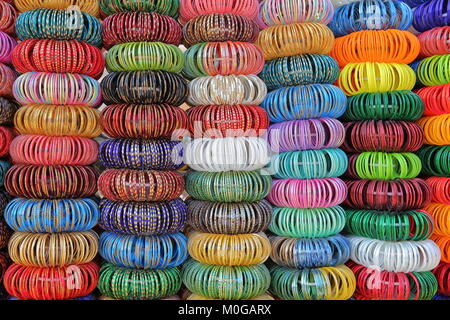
436, 129
441, 215
434, 71
440, 189
7, 78
442, 274
431, 14
435, 41
169, 7
9, 15
435, 160
435, 99
7, 45
88, 6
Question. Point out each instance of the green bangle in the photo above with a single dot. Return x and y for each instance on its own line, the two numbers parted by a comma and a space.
435, 160
434, 70
165, 7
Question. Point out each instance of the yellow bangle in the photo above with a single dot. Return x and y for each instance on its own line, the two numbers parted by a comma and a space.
89, 6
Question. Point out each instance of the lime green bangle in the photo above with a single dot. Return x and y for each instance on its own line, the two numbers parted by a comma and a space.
165, 7
435, 70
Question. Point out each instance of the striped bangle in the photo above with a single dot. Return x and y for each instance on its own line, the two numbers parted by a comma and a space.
167, 7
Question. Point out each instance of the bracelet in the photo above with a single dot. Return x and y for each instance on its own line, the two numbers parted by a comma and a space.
7, 44
8, 16
222, 58
226, 154
307, 223
51, 182
7, 78
168, 8
137, 185
58, 120
371, 15
443, 242
141, 154
229, 218
6, 137
295, 39
51, 216
310, 193
60, 56
442, 273
431, 14
57, 88
143, 218
375, 77
440, 189
51, 283
135, 284
435, 160
143, 252
326, 283
4, 167
299, 70
228, 186
45, 150
88, 6
5, 234
304, 102
391, 46
436, 129
140, 27
226, 90
7, 110
68, 24
435, 41
225, 282
441, 214
144, 87
435, 99
229, 250
433, 71
414, 3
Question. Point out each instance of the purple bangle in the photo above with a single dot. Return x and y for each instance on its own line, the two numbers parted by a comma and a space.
7, 45
435, 13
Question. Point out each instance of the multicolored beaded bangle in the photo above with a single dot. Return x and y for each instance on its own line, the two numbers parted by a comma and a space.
435, 160
165, 7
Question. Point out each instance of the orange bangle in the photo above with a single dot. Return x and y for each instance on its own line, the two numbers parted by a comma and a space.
441, 214
443, 242
436, 129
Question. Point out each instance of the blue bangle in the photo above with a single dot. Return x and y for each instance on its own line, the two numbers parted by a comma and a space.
414, 3
4, 167
431, 14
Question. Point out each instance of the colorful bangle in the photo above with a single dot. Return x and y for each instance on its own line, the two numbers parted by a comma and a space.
7, 110
4, 167
6, 138
7, 44
8, 18
435, 99
442, 274
443, 242
433, 71
440, 189
169, 7
435, 160
436, 129
435, 41
193, 296
441, 215
4, 262
7, 78
88, 6
431, 14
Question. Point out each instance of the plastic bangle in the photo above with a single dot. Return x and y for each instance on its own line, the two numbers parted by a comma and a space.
443, 242
434, 71
9, 16
7, 44
168, 7
6, 137
442, 274
88, 6
441, 215
435, 160
436, 129
7, 110
414, 3
431, 14
435, 99
7, 78
435, 41
440, 189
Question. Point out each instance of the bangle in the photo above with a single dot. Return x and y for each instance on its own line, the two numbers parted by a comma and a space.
435, 41
143, 252
391, 46
140, 27
295, 39
299, 70
229, 250
431, 14
226, 154
58, 120
141, 154
8, 16
133, 284
51, 283
60, 56
441, 215
45, 150
7, 110
222, 58
443, 242
4, 167
433, 71
51, 216
7, 78
440, 189
326, 283
229, 218
371, 15
137, 185
227, 90
384, 285
307, 223
380, 135
218, 27
435, 160
143, 218
227, 120
435, 99
412, 225
52, 182
309, 164
414, 3
442, 274
304, 102
88, 6
228, 186
322, 133
5, 234
436, 129
168, 8
225, 282
144, 87
4, 262
67, 24
6, 137
309, 193
375, 77
7, 44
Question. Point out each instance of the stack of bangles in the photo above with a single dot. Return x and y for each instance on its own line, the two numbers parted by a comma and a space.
7, 45
435, 99
436, 129
89, 6
7, 78
435, 160
169, 8
442, 273
440, 189
435, 41
434, 71
6, 138
441, 214
9, 16
431, 14
7, 110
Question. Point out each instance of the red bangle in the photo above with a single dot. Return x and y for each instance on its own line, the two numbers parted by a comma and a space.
6, 137
435, 41
3, 265
435, 99
440, 189
7, 78
442, 273
8, 16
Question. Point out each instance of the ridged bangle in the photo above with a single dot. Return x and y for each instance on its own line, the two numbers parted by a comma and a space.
436, 129
443, 242
7, 110
326, 283
51, 283
306, 101
6, 137
435, 160
143, 252
140, 27
58, 120
7, 78
143, 218
294, 39
440, 189
442, 274
59, 25
4, 167
229, 218
229, 186
139, 185
309, 193
144, 87
227, 90
140, 154
435, 41
434, 71
88, 6
133, 284
435, 99
30, 181
225, 282
222, 58
299, 70
441, 215
307, 223
229, 250
169, 7
50, 216
57, 88
8, 16
45, 150
431, 14
7, 45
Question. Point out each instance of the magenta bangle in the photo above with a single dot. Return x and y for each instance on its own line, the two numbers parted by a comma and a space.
7, 44
309, 193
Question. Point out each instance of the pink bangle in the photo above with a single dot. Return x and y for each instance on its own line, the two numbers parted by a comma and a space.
6, 137
7, 45
7, 77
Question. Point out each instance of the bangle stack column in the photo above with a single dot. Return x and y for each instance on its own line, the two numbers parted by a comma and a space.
392, 257
228, 212
141, 212
307, 249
